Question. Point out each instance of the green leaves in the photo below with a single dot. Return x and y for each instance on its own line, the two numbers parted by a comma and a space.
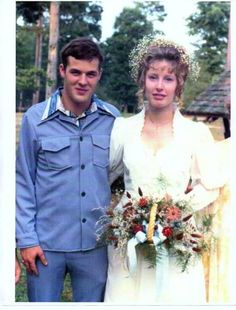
25, 78
130, 26
211, 23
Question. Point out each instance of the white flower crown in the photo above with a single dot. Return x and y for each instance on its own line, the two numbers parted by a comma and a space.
138, 53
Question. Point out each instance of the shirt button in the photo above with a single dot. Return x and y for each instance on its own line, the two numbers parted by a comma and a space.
82, 166
83, 194
81, 138
84, 220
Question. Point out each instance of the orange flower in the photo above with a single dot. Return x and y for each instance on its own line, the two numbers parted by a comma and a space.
173, 213
128, 213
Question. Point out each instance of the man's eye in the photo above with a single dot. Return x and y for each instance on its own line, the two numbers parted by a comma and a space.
92, 74
76, 73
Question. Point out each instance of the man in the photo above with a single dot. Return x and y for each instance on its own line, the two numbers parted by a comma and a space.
62, 181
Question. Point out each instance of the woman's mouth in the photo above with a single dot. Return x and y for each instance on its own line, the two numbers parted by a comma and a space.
159, 96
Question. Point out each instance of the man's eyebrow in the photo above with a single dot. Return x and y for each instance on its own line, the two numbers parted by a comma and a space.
87, 72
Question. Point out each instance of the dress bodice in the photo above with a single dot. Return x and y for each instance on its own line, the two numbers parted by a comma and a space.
143, 168
178, 161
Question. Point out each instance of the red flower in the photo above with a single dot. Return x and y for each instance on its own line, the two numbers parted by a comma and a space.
196, 235
137, 228
112, 238
167, 231
110, 212
142, 202
198, 250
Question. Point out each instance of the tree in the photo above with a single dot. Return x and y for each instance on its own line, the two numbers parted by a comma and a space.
77, 18
130, 26
52, 49
210, 23
32, 15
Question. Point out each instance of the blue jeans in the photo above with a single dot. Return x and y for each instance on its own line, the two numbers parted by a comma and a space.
87, 269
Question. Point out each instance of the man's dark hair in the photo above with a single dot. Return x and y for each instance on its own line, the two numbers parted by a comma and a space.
81, 48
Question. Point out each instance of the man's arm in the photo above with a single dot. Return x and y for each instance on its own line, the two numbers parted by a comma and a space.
26, 163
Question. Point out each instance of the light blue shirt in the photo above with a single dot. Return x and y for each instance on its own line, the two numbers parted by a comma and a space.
62, 184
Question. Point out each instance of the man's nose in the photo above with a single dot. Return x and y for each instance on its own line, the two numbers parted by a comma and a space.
83, 79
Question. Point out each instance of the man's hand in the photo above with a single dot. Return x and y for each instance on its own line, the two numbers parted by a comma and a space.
29, 256
17, 271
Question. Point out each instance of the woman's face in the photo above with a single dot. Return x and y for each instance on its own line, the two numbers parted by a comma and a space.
160, 84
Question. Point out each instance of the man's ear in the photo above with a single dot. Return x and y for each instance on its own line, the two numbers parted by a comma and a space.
62, 70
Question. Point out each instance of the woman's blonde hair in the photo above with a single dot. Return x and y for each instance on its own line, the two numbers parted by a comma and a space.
149, 50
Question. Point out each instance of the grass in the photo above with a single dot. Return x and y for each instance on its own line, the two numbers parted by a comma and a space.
21, 289
216, 127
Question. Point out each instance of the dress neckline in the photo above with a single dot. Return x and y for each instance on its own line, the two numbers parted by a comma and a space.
148, 148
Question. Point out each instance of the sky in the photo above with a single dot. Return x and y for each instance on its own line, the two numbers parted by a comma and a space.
174, 25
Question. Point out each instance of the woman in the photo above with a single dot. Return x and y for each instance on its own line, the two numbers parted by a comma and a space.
160, 141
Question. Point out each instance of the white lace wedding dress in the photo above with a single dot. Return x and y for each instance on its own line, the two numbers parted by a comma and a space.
178, 161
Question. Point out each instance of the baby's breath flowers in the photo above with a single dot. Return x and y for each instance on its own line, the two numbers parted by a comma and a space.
138, 53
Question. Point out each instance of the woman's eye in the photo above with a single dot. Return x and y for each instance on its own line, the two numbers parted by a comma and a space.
152, 77
168, 78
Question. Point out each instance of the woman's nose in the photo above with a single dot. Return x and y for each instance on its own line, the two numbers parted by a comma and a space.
159, 84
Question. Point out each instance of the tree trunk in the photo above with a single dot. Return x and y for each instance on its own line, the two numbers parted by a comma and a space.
52, 49
226, 122
38, 56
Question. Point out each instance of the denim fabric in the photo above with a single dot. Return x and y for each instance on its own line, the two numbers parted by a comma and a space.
62, 185
88, 273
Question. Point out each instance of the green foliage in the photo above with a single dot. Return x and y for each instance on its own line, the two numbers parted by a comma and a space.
210, 23
130, 26
31, 11
79, 18
194, 88
25, 40
151, 8
21, 289
25, 78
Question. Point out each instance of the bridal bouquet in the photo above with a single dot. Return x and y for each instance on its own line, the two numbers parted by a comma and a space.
152, 223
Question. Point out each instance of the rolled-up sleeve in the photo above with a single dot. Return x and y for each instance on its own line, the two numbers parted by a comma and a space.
26, 235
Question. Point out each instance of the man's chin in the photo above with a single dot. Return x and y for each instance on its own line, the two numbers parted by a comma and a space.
82, 101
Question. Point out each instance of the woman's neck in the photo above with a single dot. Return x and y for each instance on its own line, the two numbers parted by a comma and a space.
160, 117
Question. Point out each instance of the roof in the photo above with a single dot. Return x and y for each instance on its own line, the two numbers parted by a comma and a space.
214, 101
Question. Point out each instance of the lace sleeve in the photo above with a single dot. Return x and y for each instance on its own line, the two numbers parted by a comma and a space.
206, 179
116, 150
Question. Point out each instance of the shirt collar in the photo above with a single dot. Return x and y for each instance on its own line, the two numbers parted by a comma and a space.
54, 104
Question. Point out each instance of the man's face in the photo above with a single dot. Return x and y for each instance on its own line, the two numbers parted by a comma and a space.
80, 81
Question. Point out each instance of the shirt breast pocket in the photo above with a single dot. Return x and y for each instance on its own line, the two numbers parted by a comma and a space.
57, 153
101, 145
